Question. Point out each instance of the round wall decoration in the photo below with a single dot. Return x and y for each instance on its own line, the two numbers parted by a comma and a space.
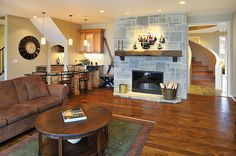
29, 47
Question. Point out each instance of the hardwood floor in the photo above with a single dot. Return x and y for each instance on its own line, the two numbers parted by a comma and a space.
200, 125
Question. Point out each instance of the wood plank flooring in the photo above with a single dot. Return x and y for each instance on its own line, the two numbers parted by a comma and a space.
199, 126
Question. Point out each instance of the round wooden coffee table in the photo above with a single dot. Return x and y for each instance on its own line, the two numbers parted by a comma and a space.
51, 125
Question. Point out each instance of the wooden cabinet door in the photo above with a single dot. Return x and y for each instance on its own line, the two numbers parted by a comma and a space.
81, 42
90, 46
94, 38
96, 43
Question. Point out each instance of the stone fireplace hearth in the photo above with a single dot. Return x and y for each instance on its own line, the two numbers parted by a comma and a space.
174, 28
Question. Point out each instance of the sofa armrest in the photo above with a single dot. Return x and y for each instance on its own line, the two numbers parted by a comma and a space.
59, 90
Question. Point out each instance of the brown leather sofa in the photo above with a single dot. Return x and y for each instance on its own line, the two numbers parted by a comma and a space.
22, 99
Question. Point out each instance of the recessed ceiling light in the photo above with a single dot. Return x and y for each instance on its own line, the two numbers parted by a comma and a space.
101, 11
35, 17
182, 2
127, 13
159, 10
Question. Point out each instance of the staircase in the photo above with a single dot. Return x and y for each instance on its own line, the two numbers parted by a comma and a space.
201, 75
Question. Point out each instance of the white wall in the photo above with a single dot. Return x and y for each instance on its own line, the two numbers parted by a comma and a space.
234, 53
209, 40
209, 18
17, 28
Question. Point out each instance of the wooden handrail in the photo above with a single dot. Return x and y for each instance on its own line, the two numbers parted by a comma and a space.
2, 57
2, 48
110, 55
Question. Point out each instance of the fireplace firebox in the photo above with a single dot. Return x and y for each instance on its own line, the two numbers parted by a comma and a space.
147, 81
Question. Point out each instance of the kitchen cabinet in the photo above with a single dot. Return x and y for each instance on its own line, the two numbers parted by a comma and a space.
94, 39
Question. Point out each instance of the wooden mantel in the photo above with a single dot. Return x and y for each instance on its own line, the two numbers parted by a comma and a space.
159, 53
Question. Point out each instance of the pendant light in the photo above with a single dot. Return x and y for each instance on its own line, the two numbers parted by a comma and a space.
85, 40
70, 39
43, 39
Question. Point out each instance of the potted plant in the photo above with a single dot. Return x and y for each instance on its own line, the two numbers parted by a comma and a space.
85, 62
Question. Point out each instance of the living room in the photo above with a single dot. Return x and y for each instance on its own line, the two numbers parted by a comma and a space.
142, 38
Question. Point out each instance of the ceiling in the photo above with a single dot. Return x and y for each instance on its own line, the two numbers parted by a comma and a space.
113, 8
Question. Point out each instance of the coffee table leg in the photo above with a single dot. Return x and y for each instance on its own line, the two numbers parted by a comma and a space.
60, 146
99, 150
40, 144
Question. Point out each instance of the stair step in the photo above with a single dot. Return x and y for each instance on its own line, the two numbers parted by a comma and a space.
204, 73
210, 78
202, 69
197, 63
203, 83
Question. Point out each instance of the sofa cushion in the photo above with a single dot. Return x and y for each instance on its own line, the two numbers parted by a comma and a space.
14, 113
44, 103
36, 89
8, 95
19, 84
3, 121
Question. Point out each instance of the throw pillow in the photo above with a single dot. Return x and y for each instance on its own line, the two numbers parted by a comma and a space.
36, 89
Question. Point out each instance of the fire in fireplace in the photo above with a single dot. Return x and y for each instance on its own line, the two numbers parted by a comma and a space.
147, 81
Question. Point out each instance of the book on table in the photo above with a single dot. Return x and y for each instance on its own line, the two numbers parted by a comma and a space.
71, 115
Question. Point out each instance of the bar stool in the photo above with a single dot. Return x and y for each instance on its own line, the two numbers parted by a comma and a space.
66, 79
83, 79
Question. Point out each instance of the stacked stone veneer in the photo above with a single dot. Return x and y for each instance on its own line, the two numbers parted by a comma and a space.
174, 28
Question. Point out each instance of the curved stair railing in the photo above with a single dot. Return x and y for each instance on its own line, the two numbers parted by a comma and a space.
2, 61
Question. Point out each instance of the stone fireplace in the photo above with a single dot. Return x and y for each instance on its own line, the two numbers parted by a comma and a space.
174, 28
146, 81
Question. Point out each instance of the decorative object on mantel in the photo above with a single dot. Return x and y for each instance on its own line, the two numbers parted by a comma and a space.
162, 40
135, 46
122, 45
158, 53
149, 39
123, 88
85, 62
118, 45
159, 46
169, 90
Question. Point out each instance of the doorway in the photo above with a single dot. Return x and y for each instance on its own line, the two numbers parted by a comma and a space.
209, 48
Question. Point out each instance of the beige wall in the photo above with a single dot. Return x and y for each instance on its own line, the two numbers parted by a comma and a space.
73, 53
1, 36
54, 55
234, 53
103, 59
209, 40
17, 28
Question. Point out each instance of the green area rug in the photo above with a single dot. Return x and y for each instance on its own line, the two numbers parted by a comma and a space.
127, 136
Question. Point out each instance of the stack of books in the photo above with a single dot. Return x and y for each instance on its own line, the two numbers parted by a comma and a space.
72, 115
